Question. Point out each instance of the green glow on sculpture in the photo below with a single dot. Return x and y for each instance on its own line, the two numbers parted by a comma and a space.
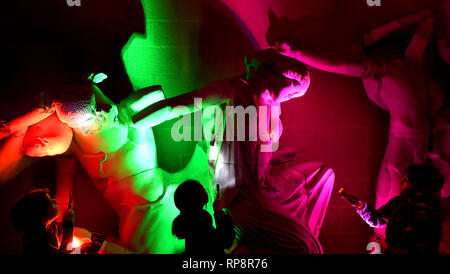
160, 57
155, 118
147, 100
157, 58
99, 77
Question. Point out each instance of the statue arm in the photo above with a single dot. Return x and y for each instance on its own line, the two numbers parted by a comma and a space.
322, 60
407, 20
419, 43
164, 110
12, 157
20, 124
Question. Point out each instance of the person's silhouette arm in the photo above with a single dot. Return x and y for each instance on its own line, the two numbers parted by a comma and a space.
68, 220
224, 223
374, 218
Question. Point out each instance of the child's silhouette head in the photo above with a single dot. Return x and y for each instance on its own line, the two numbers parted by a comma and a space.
33, 210
190, 196
421, 179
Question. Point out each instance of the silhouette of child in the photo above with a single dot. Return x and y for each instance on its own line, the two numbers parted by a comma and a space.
36, 215
412, 219
194, 224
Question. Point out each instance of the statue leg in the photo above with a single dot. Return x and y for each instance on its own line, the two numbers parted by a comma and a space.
313, 191
288, 218
406, 146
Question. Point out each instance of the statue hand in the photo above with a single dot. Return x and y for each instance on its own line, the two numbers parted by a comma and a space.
282, 47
